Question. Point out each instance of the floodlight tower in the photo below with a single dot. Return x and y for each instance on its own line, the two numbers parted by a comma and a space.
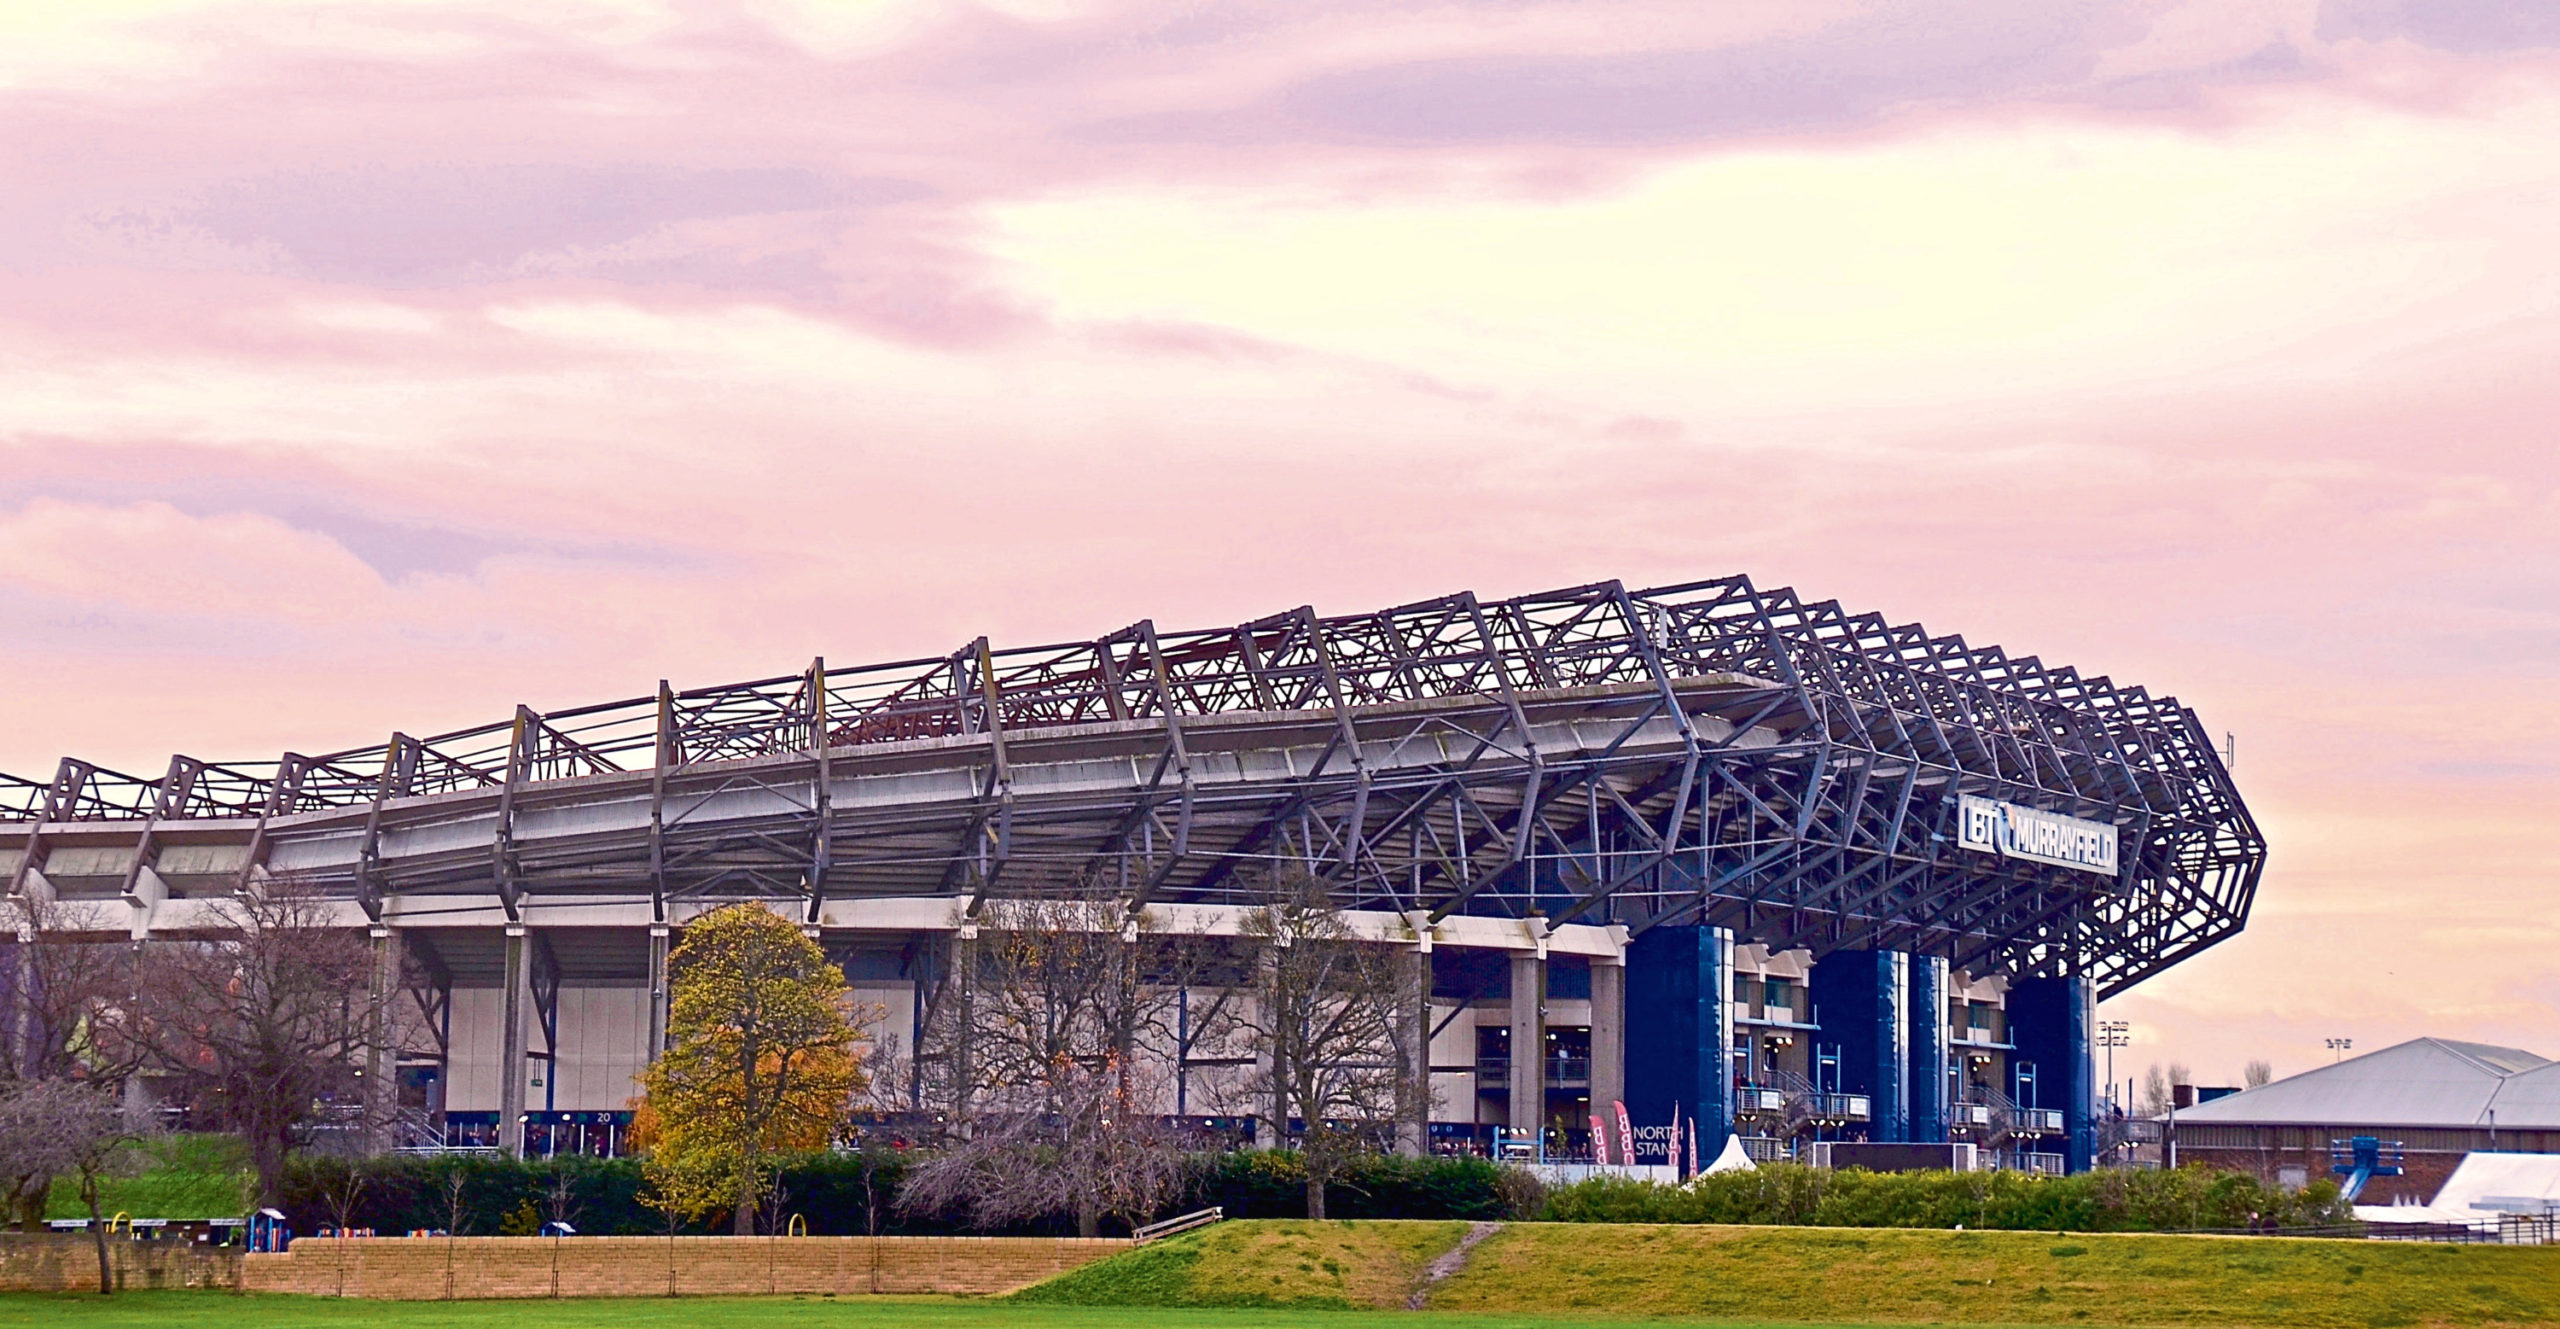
2113, 1034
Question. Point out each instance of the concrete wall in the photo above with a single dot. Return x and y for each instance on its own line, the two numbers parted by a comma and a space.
53, 1262
432, 1268
604, 1045
471, 1075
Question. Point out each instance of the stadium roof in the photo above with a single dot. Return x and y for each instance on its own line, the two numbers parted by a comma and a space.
2423, 1082
1592, 755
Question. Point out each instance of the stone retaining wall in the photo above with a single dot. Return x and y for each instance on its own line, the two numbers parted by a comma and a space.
434, 1268
53, 1262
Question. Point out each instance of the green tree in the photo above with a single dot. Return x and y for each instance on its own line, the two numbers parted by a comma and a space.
760, 1062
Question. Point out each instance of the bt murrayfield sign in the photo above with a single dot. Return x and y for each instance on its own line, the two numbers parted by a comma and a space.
2041, 837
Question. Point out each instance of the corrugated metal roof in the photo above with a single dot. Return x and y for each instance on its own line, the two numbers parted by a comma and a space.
2529, 1098
2423, 1082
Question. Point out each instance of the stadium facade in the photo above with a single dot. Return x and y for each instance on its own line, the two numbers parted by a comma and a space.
1785, 871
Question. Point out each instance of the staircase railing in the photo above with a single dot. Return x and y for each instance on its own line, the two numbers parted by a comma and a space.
1175, 1226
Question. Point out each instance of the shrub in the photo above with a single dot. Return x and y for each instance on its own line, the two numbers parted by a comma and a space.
1258, 1183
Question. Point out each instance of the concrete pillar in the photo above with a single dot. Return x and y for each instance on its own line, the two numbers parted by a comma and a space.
1931, 1045
964, 1025
138, 1100
1679, 1036
381, 1059
1863, 999
511, 1067
1271, 1061
659, 992
1413, 1052
2051, 1020
1608, 1034
22, 1000
1528, 1042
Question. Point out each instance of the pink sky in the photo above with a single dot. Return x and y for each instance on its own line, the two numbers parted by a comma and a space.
385, 364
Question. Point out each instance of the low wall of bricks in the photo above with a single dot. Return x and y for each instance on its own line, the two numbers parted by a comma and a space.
466, 1268
53, 1262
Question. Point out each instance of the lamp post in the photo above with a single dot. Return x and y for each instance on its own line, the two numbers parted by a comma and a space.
2339, 1047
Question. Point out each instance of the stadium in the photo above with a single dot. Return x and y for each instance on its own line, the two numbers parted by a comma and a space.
1714, 853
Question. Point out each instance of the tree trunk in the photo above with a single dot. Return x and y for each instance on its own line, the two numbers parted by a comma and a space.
744, 1223
1088, 1222
267, 1150
1315, 1194
98, 1233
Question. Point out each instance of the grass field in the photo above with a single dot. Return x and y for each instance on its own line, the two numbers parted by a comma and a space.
1351, 1275
1572, 1271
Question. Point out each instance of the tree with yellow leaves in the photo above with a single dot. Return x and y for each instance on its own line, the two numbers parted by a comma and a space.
760, 1061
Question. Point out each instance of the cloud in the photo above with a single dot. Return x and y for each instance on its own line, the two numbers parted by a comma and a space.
1839, 78
374, 366
403, 226
2469, 27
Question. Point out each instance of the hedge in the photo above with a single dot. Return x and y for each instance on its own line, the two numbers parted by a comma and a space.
2187, 1199
505, 1196
854, 1193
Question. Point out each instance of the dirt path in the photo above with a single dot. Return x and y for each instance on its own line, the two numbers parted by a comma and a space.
1450, 1262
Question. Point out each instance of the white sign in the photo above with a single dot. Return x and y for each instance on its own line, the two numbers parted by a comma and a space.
1994, 827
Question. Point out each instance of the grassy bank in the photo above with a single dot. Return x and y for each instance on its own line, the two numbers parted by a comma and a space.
1273, 1262
167, 1176
1580, 1271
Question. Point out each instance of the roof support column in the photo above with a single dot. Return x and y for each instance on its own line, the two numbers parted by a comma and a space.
1413, 1050
1269, 1059
964, 1027
658, 991
381, 1058
1608, 1033
1680, 1057
1863, 1000
22, 995
1930, 1048
1528, 1044
511, 1058
2050, 1019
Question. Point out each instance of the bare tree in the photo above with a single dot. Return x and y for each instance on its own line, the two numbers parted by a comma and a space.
264, 1019
72, 975
1088, 1156
57, 1126
1323, 1022
73, 957
2258, 1073
456, 1213
1044, 1056
342, 1188
2159, 1087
